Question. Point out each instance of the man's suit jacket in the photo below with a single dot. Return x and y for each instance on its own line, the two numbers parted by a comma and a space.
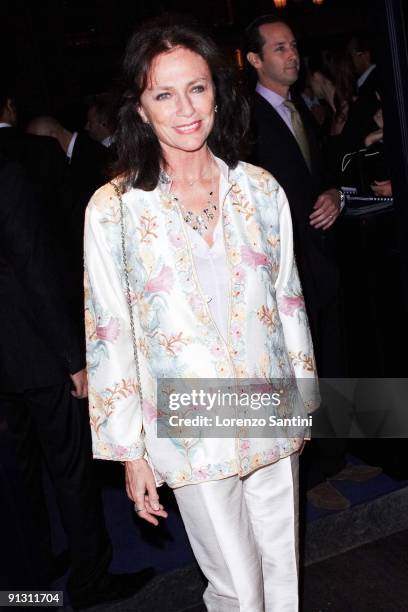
41, 343
276, 150
88, 168
360, 120
45, 164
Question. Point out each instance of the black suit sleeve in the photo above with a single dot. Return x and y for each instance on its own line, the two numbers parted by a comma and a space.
26, 249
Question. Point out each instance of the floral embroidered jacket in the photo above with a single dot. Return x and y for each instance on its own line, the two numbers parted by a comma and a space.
176, 335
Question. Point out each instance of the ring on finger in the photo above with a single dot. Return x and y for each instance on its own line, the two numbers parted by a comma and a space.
137, 510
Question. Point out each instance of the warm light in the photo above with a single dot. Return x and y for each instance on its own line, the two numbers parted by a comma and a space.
280, 3
318, 1
238, 59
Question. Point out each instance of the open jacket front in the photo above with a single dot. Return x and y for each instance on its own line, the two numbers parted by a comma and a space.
268, 335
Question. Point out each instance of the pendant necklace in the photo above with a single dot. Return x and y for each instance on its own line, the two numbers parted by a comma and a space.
199, 222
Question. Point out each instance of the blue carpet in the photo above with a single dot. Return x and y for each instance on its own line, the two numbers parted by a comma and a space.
358, 492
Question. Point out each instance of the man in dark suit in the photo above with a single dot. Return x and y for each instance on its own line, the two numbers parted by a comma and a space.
100, 123
360, 119
86, 158
42, 374
42, 159
86, 163
286, 144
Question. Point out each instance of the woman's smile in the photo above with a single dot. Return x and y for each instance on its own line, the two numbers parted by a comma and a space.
179, 101
188, 128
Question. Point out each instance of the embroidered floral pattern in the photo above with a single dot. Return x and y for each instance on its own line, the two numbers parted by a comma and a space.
290, 304
268, 317
108, 332
302, 359
173, 343
252, 258
268, 335
164, 281
147, 228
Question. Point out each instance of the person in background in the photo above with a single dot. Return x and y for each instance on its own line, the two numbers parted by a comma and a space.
323, 87
312, 102
287, 145
369, 84
100, 123
190, 273
43, 385
335, 96
381, 186
368, 170
43, 382
87, 164
87, 159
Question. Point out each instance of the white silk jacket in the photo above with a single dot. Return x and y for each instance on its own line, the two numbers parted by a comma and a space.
268, 333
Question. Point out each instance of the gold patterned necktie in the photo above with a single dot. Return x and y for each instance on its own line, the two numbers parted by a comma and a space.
299, 132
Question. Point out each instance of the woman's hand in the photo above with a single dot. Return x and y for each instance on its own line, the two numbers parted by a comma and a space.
339, 119
141, 489
373, 137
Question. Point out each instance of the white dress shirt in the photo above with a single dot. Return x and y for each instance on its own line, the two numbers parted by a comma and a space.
277, 102
71, 146
365, 75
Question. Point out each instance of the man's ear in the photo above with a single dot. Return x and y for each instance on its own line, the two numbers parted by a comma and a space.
11, 111
254, 60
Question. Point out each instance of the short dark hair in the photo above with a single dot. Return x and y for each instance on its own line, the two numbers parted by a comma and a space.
140, 156
105, 105
360, 43
253, 39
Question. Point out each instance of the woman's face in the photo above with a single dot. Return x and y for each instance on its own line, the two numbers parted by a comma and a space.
319, 84
178, 101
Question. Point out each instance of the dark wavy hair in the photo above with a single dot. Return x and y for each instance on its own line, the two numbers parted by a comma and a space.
139, 154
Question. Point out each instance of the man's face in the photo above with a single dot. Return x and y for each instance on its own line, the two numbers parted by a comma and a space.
278, 68
8, 113
95, 126
361, 61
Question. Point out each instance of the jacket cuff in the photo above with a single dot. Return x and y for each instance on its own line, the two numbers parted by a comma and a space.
115, 452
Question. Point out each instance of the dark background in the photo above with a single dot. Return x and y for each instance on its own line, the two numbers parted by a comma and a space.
60, 51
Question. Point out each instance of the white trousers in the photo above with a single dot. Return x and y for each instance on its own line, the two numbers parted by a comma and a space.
243, 532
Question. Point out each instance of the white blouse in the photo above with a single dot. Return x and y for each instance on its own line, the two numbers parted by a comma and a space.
213, 273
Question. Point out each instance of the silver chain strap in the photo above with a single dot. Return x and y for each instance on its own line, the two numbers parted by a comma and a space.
129, 301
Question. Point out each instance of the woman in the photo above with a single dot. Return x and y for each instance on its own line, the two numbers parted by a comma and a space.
214, 294
324, 88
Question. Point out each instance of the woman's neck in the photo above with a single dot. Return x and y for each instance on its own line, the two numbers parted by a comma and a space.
186, 166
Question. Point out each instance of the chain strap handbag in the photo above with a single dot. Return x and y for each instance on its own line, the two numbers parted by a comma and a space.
129, 301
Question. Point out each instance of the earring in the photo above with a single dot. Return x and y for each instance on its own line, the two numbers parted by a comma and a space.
216, 108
